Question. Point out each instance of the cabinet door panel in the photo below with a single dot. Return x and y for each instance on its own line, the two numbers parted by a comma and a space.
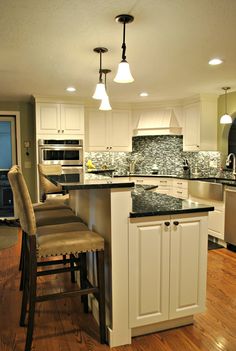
191, 141
149, 273
188, 267
48, 118
72, 119
97, 131
120, 131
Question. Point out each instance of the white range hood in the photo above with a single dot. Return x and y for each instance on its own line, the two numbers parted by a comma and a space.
158, 122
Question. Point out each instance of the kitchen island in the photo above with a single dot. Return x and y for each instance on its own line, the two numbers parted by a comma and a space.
156, 254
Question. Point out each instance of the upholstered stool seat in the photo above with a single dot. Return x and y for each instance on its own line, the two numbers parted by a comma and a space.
66, 239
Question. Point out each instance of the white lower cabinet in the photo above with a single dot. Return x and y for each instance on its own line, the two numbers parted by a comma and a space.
167, 267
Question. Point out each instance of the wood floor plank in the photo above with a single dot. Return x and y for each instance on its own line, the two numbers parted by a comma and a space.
62, 326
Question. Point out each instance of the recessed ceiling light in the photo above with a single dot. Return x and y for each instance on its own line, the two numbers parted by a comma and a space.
143, 94
215, 61
71, 89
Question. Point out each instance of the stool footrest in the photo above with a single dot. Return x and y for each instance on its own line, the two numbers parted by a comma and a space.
58, 270
62, 295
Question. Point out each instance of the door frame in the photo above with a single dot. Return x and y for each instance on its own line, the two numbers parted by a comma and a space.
18, 137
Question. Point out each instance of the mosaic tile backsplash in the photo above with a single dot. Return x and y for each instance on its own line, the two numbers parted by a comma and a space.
163, 151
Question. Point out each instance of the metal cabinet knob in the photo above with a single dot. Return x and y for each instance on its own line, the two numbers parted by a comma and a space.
62, 130
167, 224
176, 223
58, 131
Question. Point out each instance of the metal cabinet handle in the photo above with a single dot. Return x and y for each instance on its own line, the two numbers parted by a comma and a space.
58, 131
110, 147
167, 224
62, 131
176, 223
107, 147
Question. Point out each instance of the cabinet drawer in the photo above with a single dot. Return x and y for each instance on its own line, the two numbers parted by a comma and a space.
179, 183
180, 193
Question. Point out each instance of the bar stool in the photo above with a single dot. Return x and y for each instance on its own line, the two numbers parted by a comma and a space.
52, 241
47, 187
48, 214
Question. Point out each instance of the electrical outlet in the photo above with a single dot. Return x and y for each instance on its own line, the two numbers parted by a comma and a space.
213, 164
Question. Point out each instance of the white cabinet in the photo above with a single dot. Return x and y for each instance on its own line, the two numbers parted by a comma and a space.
216, 218
167, 267
200, 125
108, 131
180, 188
62, 120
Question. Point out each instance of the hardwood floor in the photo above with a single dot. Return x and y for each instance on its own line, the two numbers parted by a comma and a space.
61, 325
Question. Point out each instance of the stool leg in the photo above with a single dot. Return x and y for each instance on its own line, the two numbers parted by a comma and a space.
25, 288
72, 273
83, 277
101, 302
22, 259
22, 251
32, 292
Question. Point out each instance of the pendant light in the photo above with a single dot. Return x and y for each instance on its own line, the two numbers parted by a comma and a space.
226, 119
123, 74
100, 90
105, 103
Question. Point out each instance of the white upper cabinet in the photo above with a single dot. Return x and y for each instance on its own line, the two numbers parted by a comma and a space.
62, 120
108, 131
200, 125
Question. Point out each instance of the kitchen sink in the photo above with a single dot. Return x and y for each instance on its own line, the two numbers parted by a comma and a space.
207, 189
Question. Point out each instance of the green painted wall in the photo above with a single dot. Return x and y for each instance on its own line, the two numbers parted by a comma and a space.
223, 130
27, 130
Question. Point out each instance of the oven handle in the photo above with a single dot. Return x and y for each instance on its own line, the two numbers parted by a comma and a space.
60, 148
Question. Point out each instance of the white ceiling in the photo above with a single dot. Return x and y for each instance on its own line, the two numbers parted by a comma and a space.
47, 45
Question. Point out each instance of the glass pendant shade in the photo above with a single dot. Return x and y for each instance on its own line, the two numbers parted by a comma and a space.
226, 119
105, 104
100, 91
123, 74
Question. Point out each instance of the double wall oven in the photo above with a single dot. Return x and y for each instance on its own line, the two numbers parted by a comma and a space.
67, 153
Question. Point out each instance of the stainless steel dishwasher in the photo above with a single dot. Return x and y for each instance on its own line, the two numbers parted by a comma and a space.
230, 216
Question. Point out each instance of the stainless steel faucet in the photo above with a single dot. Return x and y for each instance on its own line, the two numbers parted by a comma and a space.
234, 162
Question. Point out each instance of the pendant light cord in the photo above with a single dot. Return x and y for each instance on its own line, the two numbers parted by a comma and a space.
123, 45
226, 102
100, 69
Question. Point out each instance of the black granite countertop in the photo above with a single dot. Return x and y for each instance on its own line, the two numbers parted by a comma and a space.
88, 181
230, 181
146, 203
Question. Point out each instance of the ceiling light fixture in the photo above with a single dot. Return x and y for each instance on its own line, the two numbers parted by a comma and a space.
71, 89
123, 74
100, 91
144, 94
225, 119
215, 61
105, 103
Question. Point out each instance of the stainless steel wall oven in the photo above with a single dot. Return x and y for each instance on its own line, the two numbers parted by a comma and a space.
63, 152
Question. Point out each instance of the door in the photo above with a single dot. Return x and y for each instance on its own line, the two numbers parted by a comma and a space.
72, 119
7, 142
148, 272
188, 265
7, 159
48, 118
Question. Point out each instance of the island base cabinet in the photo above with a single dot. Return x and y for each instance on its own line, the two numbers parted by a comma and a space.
167, 268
